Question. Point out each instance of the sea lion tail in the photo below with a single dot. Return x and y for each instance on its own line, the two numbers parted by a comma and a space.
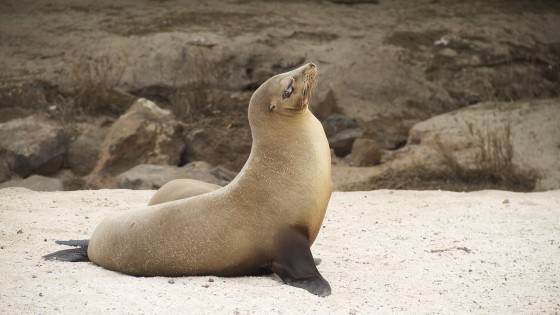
73, 254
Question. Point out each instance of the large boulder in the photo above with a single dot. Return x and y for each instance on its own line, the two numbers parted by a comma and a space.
500, 139
83, 147
493, 145
336, 123
36, 183
34, 144
218, 146
145, 134
365, 152
342, 142
323, 107
4, 170
146, 176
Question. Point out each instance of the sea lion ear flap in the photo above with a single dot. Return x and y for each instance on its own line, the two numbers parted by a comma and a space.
271, 108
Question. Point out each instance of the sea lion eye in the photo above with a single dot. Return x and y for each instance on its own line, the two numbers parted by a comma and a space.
288, 91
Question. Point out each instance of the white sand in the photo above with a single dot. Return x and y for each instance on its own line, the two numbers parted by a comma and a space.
383, 252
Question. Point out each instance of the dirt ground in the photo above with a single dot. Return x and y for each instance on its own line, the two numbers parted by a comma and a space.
410, 252
388, 65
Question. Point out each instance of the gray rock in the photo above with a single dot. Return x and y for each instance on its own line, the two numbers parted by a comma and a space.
223, 174
218, 146
147, 176
33, 144
4, 171
336, 123
83, 150
354, 1
342, 142
36, 183
326, 106
365, 152
507, 138
145, 134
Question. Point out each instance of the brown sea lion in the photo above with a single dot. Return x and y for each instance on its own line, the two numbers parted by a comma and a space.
265, 220
180, 189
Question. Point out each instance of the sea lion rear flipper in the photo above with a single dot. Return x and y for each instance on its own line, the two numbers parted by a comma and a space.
77, 243
73, 254
294, 263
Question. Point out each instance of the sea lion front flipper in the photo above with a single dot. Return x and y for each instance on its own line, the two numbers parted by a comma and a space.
294, 263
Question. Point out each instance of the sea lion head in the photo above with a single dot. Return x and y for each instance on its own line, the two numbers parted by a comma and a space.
285, 94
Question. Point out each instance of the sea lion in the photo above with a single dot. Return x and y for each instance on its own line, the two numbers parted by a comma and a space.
180, 189
265, 220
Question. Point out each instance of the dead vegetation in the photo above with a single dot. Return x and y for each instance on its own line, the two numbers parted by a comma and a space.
95, 91
199, 87
492, 168
493, 163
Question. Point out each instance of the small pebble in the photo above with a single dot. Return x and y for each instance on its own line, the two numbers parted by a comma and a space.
210, 280
171, 281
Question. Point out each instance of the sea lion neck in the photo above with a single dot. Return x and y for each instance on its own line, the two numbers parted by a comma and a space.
283, 130
293, 141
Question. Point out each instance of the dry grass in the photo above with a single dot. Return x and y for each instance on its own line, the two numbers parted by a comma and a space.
199, 94
493, 165
492, 168
94, 80
64, 107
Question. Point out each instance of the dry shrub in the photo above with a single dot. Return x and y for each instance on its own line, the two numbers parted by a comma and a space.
199, 95
94, 80
493, 165
64, 107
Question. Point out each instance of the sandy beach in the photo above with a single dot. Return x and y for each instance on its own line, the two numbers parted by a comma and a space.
416, 252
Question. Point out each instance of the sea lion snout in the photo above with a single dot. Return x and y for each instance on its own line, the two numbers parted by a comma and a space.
310, 67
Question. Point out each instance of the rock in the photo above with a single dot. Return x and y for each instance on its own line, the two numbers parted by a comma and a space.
354, 1
365, 152
33, 94
338, 122
199, 144
494, 145
83, 150
223, 174
448, 52
146, 176
32, 144
517, 140
218, 146
36, 183
145, 134
342, 142
10, 113
326, 106
71, 181
4, 171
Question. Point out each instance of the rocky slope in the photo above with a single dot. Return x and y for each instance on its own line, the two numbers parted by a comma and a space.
385, 68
